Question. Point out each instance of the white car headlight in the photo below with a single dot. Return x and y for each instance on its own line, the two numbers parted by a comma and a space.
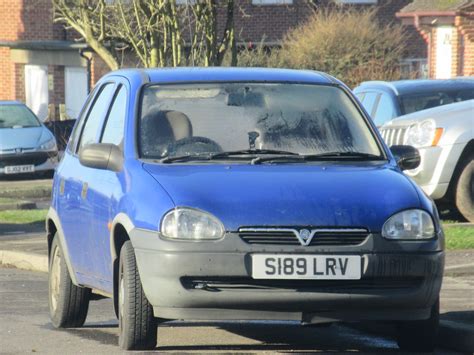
409, 224
423, 134
49, 145
191, 224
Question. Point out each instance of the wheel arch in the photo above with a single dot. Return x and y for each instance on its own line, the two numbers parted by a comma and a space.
119, 234
467, 151
54, 227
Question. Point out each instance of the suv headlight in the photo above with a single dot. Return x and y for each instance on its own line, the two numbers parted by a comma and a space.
191, 224
49, 145
409, 224
423, 134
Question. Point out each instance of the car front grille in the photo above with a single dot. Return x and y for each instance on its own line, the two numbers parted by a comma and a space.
36, 158
322, 237
394, 135
236, 283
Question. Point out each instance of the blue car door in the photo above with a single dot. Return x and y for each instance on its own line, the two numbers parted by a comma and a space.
75, 209
106, 189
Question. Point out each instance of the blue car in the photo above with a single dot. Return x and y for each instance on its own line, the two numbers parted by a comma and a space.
239, 194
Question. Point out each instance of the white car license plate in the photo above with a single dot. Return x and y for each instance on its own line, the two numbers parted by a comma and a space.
18, 169
314, 267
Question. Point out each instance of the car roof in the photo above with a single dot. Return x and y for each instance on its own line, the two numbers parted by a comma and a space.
216, 74
406, 87
11, 102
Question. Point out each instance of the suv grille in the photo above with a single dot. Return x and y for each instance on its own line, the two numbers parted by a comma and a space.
394, 136
322, 237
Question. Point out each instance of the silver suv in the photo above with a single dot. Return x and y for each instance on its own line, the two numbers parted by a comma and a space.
444, 137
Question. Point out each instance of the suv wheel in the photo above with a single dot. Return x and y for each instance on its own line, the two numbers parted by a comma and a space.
420, 335
68, 303
464, 192
137, 324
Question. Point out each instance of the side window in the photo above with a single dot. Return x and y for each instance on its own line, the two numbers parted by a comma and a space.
114, 127
370, 102
95, 116
385, 110
80, 121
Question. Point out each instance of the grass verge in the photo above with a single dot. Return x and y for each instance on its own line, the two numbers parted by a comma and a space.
23, 216
459, 237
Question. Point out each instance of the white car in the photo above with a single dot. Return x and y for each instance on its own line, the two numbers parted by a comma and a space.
445, 138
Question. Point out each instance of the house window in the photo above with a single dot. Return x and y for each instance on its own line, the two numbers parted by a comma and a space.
414, 68
357, 2
272, 2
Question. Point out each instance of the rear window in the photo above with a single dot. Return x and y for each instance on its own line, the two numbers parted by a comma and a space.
17, 116
417, 102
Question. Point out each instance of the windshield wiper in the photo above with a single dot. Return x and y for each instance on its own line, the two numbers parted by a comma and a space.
322, 156
188, 157
247, 153
251, 152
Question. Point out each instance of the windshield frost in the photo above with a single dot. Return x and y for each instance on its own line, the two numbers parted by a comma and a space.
194, 119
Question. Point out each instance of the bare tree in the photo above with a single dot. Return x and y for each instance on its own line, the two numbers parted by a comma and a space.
89, 19
152, 30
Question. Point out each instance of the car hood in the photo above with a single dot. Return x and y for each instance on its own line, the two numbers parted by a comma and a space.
290, 195
11, 138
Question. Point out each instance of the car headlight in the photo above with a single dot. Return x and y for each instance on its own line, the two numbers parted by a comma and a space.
191, 224
49, 145
423, 134
409, 224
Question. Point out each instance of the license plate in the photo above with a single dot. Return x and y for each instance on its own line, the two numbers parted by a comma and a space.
305, 267
19, 169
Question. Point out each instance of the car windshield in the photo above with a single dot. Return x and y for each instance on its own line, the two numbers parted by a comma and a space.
417, 102
232, 119
17, 116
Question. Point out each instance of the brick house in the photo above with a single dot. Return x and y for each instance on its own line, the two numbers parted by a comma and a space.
448, 30
41, 65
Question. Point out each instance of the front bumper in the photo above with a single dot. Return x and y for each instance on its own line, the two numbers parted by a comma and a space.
42, 161
211, 280
436, 168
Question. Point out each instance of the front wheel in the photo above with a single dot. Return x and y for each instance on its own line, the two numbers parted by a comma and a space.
137, 324
68, 303
419, 335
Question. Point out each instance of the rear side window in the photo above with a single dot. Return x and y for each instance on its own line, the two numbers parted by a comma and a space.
413, 103
370, 102
114, 127
385, 110
95, 116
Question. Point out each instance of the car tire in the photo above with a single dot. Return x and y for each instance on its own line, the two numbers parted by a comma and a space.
419, 335
137, 324
68, 303
464, 192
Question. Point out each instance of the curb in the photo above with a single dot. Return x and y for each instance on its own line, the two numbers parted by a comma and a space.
25, 261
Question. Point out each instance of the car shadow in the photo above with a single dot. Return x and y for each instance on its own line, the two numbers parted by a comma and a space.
283, 336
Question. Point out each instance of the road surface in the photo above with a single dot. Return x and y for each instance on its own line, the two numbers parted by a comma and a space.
25, 327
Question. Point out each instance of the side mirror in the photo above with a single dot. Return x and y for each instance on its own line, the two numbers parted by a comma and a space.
102, 156
407, 157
